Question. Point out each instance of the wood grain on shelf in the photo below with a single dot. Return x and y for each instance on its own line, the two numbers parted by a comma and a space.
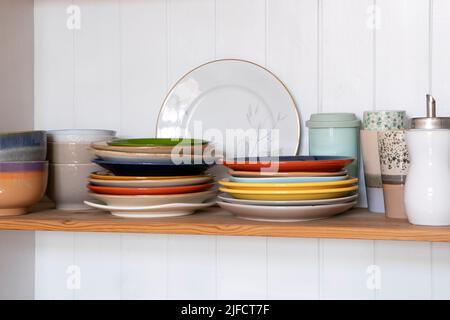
357, 224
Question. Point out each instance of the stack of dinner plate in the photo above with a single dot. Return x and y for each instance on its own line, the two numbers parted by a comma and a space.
151, 178
288, 188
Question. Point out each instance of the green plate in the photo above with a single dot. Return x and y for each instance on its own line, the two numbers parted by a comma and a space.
153, 142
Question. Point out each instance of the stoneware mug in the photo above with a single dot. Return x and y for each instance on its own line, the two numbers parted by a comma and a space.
394, 164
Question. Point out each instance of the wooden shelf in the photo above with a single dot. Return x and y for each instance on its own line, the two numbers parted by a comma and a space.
357, 224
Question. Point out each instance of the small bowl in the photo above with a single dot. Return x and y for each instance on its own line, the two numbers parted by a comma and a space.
82, 136
22, 184
67, 185
23, 146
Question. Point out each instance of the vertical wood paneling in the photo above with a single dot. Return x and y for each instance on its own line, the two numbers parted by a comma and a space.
98, 255
292, 53
402, 55
440, 49
191, 267
54, 68
191, 30
143, 64
54, 255
144, 266
241, 30
17, 265
241, 268
440, 270
347, 42
97, 65
292, 268
405, 269
344, 266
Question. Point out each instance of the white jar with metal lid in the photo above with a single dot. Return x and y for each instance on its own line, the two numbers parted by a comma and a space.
427, 188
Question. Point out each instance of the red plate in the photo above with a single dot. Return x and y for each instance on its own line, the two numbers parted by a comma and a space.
290, 164
148, 191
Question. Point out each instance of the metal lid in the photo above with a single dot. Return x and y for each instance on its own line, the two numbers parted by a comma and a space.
431, 121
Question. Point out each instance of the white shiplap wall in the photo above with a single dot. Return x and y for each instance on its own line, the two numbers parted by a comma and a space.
115, 71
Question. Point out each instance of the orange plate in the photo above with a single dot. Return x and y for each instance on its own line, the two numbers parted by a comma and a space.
148, 191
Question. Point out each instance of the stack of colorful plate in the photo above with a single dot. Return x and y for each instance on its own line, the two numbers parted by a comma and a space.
150, 178
288, 189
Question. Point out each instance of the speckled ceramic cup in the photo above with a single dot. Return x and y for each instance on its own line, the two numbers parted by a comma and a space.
374, 122
394, 163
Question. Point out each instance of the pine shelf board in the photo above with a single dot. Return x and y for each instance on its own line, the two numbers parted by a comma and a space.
356, 224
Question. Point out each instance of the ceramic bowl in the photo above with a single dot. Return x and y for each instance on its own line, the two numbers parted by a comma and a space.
23, 146
69, 153
384, 120
82, 136
22, 184
67, 185
153, 200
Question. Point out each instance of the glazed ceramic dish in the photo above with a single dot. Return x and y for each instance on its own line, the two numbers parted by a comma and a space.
225, 95
286, 179
227, 198
146, 157
23, 146
285, 213
288, 186
149, 191
285, 174
22, 184
123, 168
290, 163
157, 142
143, 201
106, 175
151, 183
157, 211
83, 136
289, 194
67, 185
196, 149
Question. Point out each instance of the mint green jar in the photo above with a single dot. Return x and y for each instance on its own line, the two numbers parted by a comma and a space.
335, 134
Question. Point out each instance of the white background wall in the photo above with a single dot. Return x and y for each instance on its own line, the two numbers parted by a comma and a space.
115, 71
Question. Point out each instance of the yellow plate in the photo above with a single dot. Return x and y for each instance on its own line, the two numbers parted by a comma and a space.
288, 186
289, 194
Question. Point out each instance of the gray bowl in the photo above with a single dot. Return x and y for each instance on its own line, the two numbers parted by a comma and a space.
23, 146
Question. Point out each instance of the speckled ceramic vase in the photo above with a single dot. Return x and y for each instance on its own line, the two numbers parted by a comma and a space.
394, 164
374, 122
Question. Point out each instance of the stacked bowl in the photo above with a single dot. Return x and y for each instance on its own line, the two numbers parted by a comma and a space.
23, 170
70, 165
151, 178
288, 188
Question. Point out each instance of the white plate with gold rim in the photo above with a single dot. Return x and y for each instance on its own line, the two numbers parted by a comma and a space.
219, 96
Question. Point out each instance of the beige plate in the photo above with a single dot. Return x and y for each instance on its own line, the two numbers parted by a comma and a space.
285, 174
151, 183
148, 150
143, 201
285, 213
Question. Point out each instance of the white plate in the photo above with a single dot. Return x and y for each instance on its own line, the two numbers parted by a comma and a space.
159, 211
227, 198
151, 183
144, 201
285, 213
232, 94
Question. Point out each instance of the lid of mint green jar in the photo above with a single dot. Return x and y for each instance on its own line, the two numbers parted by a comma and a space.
333, 120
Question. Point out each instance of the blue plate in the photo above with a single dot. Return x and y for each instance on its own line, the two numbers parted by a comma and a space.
122, 168
287, 179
